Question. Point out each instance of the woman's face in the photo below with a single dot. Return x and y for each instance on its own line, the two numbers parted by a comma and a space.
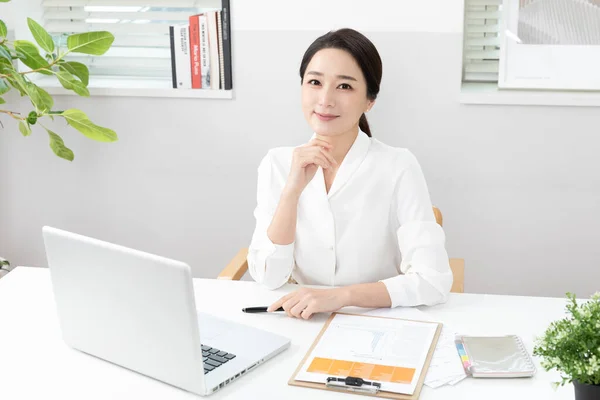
334, 93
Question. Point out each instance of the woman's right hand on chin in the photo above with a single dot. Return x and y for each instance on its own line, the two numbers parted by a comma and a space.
306, 159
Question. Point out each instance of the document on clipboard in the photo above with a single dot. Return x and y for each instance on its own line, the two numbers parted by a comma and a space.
383, 354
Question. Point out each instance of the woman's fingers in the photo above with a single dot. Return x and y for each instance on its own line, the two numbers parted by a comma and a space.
321, 143
329, 157
315, 154
323, 147
307, 313
317, 159
289, 304
297, 310
279, 303
314, 151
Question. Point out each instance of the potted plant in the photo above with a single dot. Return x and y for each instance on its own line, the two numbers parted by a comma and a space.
4, 267
572, 347
50, 61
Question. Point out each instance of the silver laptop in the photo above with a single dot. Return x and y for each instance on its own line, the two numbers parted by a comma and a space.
137, 310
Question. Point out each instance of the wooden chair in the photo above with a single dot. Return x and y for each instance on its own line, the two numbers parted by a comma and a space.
238, 266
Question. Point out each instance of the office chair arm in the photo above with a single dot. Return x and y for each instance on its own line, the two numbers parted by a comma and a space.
457, 265
237, 267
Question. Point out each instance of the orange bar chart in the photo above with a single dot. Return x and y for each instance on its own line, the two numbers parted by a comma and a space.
375, 372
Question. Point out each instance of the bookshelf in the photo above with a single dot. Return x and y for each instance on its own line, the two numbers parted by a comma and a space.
133, 87
141, 73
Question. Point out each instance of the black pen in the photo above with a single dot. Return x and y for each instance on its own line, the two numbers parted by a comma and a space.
258, 309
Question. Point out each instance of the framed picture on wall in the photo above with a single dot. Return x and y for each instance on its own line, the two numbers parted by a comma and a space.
550, 44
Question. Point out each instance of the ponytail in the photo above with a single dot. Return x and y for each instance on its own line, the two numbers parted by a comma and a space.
364, 125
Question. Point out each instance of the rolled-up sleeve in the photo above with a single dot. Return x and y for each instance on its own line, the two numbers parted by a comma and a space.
269, 264
426, 277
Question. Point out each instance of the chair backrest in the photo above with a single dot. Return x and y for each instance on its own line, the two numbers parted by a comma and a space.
457, 265
438, 216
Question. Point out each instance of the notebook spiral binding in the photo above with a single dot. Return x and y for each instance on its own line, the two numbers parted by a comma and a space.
524, 351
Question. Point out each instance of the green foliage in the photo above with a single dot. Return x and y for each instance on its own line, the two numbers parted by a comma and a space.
41, 36
48, 59
3, 29
572, 345
94, 43
24, 128
78, 120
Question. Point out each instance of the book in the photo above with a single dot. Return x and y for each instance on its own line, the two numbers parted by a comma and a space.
204, 53
195, 51
173, 65
213, 48
495, 356
180, 57
221, 63
226, 34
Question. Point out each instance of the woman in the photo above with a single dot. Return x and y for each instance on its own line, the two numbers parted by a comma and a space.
344, 209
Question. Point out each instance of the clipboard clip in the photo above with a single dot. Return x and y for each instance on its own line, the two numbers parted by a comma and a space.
353, 384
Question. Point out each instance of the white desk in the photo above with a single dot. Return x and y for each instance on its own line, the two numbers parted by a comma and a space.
36, 364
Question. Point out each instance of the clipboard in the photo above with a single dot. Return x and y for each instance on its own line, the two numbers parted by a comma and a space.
351, 387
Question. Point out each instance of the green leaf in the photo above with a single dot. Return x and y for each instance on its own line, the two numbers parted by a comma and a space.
40, 99
47, 102
30, 55
58, 146
80, 89
2, 101
69, 82
40, 35
4, 1
78, 69
4, 53
17, 81
24, 128
3, 30
65, 79
95, 43
3, 86
6, 66
78, 120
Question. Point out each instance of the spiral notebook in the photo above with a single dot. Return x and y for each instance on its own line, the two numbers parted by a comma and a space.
495, 356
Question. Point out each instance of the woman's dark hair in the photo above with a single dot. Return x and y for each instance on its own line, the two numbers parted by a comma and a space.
363, 51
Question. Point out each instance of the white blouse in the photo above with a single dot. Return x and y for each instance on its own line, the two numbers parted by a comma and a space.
375, 224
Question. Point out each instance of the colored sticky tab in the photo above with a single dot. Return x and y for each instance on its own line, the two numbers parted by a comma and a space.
464, 358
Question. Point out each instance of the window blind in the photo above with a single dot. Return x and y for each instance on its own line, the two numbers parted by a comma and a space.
481, 40
141, 29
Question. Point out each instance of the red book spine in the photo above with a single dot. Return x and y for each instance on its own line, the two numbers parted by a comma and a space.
195, 52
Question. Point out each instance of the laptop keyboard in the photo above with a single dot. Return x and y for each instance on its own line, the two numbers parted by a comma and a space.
214, 358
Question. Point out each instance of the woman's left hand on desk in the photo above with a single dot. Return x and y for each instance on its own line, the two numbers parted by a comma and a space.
303, 303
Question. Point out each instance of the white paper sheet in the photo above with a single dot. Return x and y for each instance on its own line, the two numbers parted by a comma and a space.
445, 367
389, 351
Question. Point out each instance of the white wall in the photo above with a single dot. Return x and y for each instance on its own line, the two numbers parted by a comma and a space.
7, 14
372, 15
519, 186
